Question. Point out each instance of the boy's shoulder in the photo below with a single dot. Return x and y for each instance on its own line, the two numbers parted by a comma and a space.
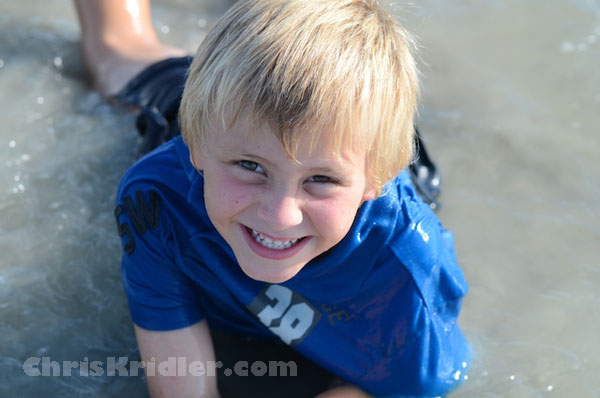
413, 224
165, 168
164, 186
399, 211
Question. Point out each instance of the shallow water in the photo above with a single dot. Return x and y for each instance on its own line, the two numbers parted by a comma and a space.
510, 110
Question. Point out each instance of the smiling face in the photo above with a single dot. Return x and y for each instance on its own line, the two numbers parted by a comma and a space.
275, 212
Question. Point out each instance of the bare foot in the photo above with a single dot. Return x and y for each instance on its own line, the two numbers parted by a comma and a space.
110, 67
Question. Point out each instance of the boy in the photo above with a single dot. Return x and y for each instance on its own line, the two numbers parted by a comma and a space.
282, 214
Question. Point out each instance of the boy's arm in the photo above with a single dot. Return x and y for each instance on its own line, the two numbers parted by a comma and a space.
192, 343
346, 391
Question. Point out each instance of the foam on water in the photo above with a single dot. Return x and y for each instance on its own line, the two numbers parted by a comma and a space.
510, 111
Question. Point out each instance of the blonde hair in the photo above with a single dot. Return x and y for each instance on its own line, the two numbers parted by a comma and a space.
343, 64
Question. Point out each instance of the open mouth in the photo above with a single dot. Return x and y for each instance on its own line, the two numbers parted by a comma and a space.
272, 248
270, 243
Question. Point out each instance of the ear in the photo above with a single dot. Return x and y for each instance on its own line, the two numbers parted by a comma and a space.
370, 193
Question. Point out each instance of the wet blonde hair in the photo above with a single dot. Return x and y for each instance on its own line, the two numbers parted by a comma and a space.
296, 64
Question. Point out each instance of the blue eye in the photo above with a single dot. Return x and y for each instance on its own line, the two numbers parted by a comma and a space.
249, 165
323, 179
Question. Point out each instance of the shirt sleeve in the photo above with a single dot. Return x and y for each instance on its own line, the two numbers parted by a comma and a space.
437, 351
160, 295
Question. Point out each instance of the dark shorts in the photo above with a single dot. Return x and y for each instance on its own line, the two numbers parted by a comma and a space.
264, 369
156, 92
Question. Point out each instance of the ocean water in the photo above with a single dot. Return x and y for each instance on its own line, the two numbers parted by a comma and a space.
510, 111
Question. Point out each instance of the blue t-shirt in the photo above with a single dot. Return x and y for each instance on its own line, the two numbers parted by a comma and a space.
379, 309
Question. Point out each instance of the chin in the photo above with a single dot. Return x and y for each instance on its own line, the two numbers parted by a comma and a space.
281, 276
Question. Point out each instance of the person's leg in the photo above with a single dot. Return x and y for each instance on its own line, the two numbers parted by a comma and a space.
118, 41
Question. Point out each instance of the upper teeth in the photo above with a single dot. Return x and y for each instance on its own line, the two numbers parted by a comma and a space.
270, 243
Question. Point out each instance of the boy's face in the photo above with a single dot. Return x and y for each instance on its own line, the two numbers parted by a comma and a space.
275, 213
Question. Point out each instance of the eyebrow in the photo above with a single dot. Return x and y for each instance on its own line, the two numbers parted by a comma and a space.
259, 158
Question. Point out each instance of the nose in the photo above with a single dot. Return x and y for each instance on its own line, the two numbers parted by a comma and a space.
280, 210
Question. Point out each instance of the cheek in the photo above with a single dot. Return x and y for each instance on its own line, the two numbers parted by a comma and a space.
225, 196
333, 218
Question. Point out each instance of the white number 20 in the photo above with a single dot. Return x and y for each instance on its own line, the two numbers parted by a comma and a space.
289, 322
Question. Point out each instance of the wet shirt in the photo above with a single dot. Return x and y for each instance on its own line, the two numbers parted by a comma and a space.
379, 309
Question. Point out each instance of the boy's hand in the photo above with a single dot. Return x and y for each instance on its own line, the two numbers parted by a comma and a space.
346, 391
